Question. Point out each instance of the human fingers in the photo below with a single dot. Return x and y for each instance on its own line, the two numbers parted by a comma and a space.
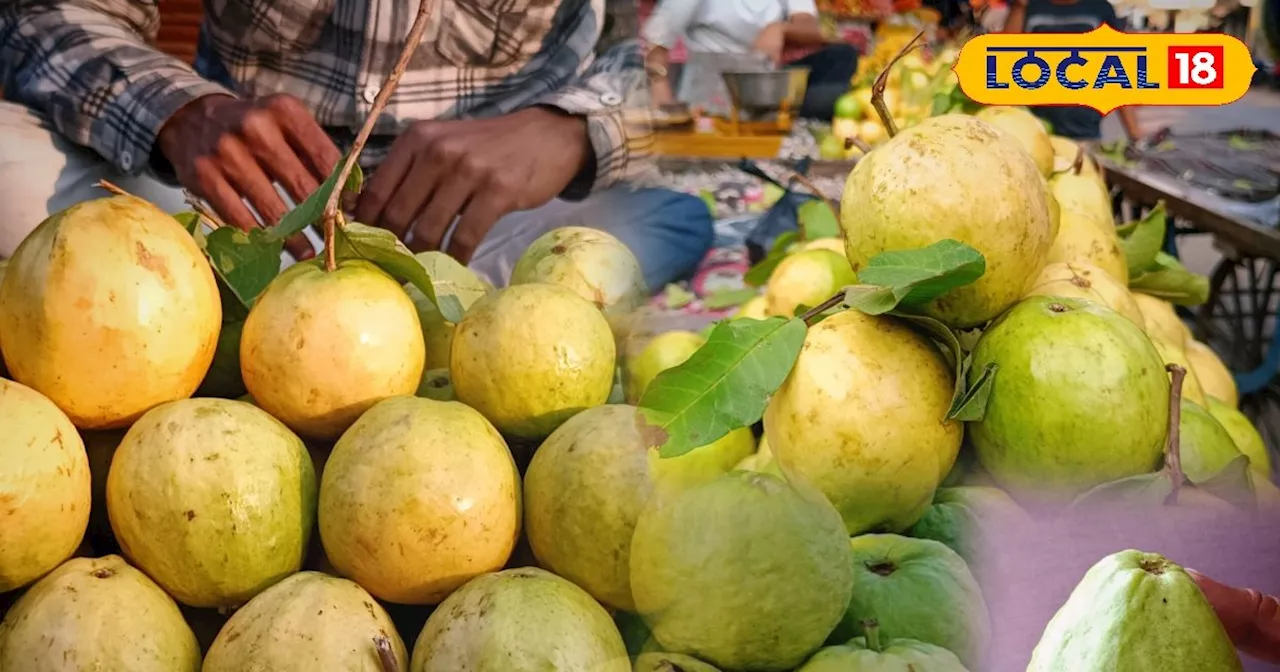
380, 191
440, 211
266, 141
478, 218
304, 134
249, 180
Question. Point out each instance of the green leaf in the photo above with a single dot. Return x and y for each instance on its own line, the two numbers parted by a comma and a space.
947, 340
922, 275
1242, 143
384, 249
1175, 285
723, 386
728, 298
436, 384
870, 299
1143, 490
1233, 484
677, 297
453, 283
246, 262
311, 211
1145, 241
191, 222
758, 275
817, 220
972, 407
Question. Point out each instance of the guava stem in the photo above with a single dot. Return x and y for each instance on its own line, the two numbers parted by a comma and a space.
103, 184
808, 184
856, 142
330, 217
385, 655
202, 210
1078, 164
822, 307
877, 89
871, 629
1172, 444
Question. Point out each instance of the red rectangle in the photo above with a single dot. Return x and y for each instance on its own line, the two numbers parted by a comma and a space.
1195, 67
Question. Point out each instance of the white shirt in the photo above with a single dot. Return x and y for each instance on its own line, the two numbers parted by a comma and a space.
718, 26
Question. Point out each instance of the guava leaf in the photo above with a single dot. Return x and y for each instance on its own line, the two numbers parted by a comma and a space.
972, 405
384, 249
191, 222
245, 262
311, 211
758, 275
729, 298
677, 297
453, 282
1145, 241
870, 299
919, 276
1150, 490
1170, 280
723, 386
436, 384
1233, 484
817, 220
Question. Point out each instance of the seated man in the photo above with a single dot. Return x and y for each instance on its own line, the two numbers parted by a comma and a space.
505, 125
764, 27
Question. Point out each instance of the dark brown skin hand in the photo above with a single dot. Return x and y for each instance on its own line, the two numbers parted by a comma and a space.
478, 169
224, 149
1252, 620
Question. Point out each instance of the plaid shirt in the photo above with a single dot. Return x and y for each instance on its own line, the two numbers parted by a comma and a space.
87, 65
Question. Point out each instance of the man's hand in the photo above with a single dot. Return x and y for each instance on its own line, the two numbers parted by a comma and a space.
225, 150
771, 41
1251, 620
477, 169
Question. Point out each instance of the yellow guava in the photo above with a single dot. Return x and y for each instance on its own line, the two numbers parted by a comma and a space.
755, 308
1246, 437
1082, 280
1026, 129
1174, 354
1161, 319
109, 308
666, 350
592, 263
807, 278
1082, 238
1082, 194
320, 348
437, 333
1215, 377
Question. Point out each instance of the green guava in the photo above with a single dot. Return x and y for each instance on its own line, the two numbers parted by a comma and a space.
746, 572
848, 107
519, 620
592, 263
1135, 611
585, 489
307, 622
97, 614
670, 662
665, 351
531, 356
964, 517
761, 460
1244, 435
952, 177
437, 332
901, 655
437, 385
1206, 445
1082, 280
806, 278
916, 589
1080, 399
213, 499
880, 475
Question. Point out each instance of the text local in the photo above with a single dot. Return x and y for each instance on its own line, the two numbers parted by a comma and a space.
1112, 72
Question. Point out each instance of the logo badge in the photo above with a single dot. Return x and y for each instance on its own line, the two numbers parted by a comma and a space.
1104, 69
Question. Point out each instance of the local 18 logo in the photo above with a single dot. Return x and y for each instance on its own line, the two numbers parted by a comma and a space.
1104, 69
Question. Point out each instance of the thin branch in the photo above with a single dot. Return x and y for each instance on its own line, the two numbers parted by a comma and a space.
854, 141
103, 184
1172, 446
202, 210
822, 307
808, 184
330, 217
877, 89
1078, 164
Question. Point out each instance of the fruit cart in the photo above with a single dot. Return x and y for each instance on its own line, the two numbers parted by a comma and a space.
1225, 185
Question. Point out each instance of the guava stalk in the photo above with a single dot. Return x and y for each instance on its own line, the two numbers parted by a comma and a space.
1078, 164
871, 630
877, 89
1172, 450
822, 307
103, 184
385, 655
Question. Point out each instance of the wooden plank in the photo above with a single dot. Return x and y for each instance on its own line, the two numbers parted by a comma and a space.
686, 164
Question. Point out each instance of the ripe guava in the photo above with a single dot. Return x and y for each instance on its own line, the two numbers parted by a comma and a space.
529, 357
916, 589
319, 348
880, 475
1161, 319
1082, 280
966, 517
1084, 239
1174, 354
901, 655
1055, 212
418, 497
747, 571
109, 308
591, 263
1065, 152
952, 177
665, 351
1026, 129
97, 614
585, 489
1215, 378
755, 308
833, 244
44, 486
305, 623
1244, 435
1080, 399
806, 278
1136, 612
519, 620
655, 661
1082, 194
213, 499
1206, 445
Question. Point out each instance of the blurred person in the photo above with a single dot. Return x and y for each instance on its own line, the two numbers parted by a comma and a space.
507, 122
766, 28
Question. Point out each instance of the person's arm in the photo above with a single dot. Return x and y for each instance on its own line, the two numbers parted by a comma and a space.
669, 20
1129, 121
802, 27
1252, 620
86, 65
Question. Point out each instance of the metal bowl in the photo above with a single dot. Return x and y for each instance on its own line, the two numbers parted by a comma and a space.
764, 91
